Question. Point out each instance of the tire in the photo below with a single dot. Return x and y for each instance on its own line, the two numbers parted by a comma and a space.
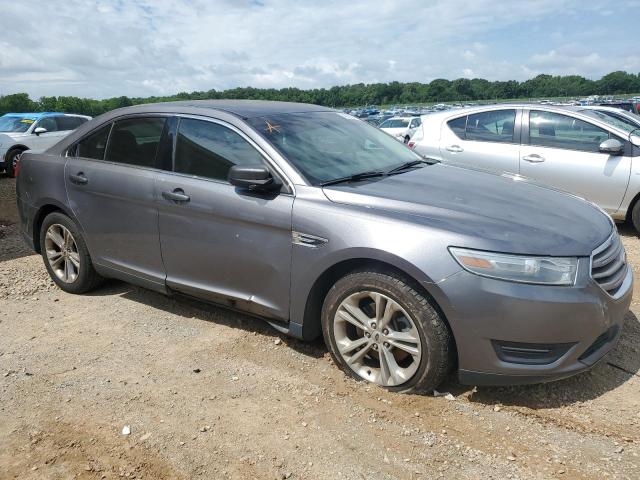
9, 162
406, 139
635, 217
424, 371
62, 256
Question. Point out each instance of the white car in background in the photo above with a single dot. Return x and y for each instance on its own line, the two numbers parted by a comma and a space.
578, 150
401, 128
33, 131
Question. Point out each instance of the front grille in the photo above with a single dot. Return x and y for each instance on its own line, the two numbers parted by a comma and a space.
609, 264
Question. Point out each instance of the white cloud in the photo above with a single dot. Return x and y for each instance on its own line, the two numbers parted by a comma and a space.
101, 48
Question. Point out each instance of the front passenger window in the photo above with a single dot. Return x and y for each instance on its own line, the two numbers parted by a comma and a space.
548, 129
208, 149
49, 123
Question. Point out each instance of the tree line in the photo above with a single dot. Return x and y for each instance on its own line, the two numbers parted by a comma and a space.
439, 90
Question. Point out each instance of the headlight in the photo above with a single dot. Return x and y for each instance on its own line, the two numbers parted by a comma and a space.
518, 268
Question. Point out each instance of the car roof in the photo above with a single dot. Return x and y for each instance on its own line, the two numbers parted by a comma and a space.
240, 108
32, 115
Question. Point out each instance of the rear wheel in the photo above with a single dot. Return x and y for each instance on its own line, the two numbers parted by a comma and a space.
10, 161
380, 329
66, 256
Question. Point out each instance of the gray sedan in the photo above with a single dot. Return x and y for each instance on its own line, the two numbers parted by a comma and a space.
323, 225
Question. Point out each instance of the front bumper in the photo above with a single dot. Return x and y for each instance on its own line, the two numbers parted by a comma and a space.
581, 323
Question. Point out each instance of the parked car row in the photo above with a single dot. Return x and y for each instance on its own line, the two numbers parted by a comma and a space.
325, 225
20, 132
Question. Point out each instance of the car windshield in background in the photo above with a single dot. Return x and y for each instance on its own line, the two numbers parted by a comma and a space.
619, 122
15, 124
325, 146
398, 123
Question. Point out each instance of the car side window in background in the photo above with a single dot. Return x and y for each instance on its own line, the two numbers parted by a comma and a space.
457, 125
207, 149
135, 141
49, 123
548, 129
94, 145
491, 126
69, 123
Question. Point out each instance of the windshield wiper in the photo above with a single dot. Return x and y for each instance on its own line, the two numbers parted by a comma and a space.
353, 178
412, 163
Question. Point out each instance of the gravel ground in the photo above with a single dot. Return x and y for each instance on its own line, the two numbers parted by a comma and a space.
211, 394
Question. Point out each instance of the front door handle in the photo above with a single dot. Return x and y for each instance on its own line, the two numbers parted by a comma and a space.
533, 158
177, 196
455, 148
79, 179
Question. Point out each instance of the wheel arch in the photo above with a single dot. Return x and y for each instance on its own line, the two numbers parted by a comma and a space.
312, 321
43, 210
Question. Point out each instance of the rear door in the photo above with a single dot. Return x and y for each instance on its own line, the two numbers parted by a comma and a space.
563, 151
219, 242
110, 180
488, 140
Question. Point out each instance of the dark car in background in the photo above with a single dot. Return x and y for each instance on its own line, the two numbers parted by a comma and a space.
324, 225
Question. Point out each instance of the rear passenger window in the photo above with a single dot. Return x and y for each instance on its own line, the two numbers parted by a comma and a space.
208, 149
457, 125
492, 126
548, 129
94, 145
135, 141
69, 123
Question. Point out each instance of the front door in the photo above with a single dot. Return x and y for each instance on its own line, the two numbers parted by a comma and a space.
40, 142
111, 186
488, 140
219, 242
563, 152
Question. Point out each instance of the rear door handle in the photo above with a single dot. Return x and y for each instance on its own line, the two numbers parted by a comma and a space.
533, 158
454, 148
177, 196
79, 179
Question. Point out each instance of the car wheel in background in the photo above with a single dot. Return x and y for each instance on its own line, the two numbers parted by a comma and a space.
10, 161
380, 329
406, 139
66, 256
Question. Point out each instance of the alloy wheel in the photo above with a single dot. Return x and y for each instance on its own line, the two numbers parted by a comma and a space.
62, 253
377, 338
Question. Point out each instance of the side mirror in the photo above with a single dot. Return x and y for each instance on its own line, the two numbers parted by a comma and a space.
613, 146
252, 178
40, 130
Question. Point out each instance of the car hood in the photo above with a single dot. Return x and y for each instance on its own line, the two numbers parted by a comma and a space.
483, 210
10, 136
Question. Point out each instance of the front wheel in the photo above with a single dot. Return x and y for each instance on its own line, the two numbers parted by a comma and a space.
66, 256
10, 161
380, 329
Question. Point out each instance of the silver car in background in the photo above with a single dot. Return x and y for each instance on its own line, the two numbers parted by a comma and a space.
569, 148
37, 132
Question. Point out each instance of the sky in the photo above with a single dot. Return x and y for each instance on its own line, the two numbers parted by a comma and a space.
107, 48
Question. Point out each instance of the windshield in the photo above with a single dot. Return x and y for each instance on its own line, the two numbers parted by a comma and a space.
15, 124
612, 119
395, 123
325, 146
